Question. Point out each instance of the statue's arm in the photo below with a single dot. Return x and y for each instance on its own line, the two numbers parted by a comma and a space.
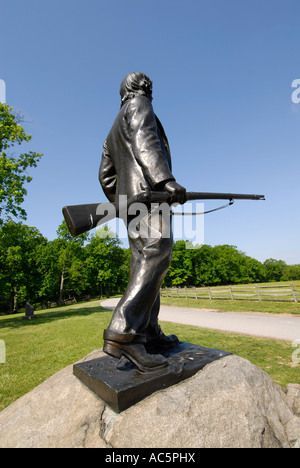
146, 143
107, 175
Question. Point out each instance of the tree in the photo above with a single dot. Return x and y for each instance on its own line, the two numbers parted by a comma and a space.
207, 265
225, 264
180, 272
204, 263
49, 270
107, 263
251, 271
20, 280
71, 260
13, 175
274, 269
292, 273
81, 266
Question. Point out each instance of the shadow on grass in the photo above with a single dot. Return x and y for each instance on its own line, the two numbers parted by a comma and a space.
18, 321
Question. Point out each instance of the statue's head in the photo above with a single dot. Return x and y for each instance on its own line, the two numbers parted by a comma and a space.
135, 84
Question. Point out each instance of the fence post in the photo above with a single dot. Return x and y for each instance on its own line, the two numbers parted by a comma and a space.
258, 295
196, 293
231, 295
185, 292
209, 292
293, 291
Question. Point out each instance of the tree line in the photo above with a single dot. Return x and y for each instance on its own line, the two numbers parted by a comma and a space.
223, 265
42, 272
35, 270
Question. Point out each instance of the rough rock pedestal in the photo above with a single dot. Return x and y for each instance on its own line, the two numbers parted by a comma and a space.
230, 403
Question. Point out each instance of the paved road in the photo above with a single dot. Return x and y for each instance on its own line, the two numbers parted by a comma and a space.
283, 327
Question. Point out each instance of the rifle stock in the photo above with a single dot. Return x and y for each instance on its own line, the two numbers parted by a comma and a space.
83, 218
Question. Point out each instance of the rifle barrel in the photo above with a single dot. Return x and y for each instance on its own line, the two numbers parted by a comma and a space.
159, 197
222, 196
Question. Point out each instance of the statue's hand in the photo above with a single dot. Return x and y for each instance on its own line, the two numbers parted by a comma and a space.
177, 192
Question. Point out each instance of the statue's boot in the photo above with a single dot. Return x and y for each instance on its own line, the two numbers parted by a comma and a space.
132, 347
157, 341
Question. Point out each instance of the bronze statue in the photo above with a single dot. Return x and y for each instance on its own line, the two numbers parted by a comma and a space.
137, 158
136, 164
136, 170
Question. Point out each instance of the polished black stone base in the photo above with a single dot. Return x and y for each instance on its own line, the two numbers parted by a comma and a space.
121, 385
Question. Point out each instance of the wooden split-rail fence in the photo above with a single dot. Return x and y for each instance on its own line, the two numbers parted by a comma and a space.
287, 292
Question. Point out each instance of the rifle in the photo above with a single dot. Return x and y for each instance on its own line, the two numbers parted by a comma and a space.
83, 218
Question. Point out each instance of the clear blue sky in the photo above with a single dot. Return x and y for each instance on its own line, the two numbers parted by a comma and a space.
222, 73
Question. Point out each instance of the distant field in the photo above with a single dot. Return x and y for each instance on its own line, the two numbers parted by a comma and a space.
276, 298
38, 348
235, 306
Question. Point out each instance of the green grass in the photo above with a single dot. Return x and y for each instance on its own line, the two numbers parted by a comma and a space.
271, 307
39, 348
272, 356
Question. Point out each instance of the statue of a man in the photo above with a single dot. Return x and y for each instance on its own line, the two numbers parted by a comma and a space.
136, 158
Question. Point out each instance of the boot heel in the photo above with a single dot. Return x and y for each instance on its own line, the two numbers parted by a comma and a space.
112, 350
